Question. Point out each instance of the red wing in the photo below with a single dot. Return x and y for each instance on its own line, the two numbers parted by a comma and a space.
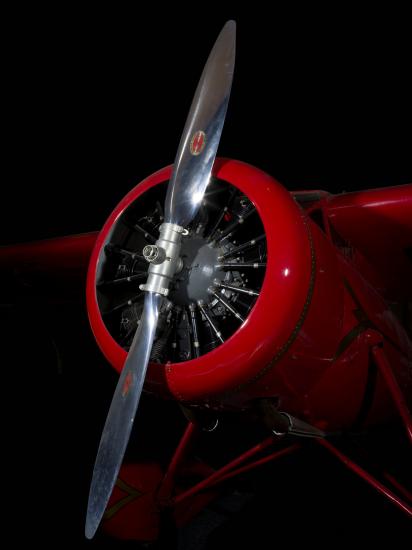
48, 265
378, 224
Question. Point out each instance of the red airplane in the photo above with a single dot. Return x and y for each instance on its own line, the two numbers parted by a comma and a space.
218, 289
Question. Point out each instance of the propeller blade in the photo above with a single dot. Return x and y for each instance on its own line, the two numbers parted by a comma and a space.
121, 414
201, 135
193, 166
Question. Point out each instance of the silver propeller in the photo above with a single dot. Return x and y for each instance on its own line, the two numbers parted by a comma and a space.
191, 174
119, 421
201, 135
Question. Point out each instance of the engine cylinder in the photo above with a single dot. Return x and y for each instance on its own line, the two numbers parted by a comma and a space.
286, 340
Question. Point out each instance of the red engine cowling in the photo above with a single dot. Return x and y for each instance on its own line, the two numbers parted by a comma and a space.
289, 339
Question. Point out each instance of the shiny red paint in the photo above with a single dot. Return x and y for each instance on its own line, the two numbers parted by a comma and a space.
380, 487
275, 314
60, 256
132, 512
127, 384
197, 143
143, 492
279, 307
403, 490
378, 224
302, 343
393, 386
256, 464
321, 317
112, 351
370, 301
168, 482
216, 476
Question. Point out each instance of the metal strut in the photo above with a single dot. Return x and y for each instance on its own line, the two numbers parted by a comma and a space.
383, 365
383, 489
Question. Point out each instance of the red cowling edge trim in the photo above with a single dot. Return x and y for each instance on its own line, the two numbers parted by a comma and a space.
275, 314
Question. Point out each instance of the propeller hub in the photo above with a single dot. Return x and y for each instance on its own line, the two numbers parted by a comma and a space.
163, 258
154, 254
199, 270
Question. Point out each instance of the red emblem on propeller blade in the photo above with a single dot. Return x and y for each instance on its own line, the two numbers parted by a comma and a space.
198, 142
127, 384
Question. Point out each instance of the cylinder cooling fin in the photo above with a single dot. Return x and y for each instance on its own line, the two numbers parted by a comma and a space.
238, 293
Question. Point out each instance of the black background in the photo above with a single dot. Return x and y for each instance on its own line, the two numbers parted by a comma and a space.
96, 102
98, 99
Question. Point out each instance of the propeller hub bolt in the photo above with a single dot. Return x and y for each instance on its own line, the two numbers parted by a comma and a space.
154, 254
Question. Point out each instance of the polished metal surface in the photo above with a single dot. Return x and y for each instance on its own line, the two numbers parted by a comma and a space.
161, 274
193, 166
154, 254
238, 289
301, 428
199, 260
121, 414
201, 135
226, 304
202, 308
